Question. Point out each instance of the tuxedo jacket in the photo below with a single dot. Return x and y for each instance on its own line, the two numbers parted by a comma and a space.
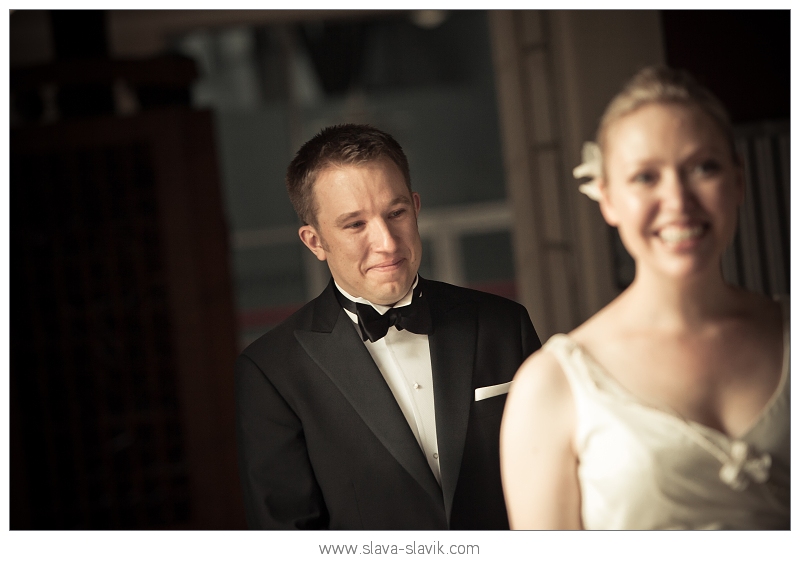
323, 444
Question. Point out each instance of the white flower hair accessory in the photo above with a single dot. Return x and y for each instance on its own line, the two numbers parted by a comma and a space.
592, 168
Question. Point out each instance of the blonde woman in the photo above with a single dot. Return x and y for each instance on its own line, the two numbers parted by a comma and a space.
670, 407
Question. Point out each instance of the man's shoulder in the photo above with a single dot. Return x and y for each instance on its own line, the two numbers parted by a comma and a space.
443, 289
281, 336
453, 294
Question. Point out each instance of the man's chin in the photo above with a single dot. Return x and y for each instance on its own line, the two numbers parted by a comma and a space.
390, 292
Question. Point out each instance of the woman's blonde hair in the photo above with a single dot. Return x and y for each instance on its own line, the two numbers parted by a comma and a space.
664, 85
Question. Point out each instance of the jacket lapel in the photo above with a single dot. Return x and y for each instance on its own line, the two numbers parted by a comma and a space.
452, 347
335, 346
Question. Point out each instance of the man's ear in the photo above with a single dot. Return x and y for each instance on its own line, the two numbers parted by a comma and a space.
417, 203
606, 207
310, 237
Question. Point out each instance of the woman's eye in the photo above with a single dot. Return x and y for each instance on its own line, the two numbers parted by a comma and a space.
708, 167
645, 177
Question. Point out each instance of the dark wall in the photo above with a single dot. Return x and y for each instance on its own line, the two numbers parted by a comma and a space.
743, 56
122, 329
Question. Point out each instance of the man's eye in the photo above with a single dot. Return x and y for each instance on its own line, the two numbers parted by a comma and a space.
397, 213
354, 225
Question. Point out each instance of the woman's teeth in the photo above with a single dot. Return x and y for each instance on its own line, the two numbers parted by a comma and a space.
676, 234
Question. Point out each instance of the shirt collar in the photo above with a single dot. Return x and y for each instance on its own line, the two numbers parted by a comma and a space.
380, 308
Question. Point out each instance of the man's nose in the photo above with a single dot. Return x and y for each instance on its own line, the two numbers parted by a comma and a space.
383, 238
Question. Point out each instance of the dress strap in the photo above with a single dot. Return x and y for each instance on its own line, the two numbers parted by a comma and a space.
574, 364
784, 301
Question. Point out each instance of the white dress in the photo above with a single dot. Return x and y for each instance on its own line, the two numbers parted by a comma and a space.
645, 468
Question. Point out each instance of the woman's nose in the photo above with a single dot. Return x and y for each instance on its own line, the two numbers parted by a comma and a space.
677, 192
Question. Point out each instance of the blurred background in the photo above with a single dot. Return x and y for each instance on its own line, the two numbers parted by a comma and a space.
152, 239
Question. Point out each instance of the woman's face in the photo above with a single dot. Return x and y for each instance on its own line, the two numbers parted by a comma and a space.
672, 188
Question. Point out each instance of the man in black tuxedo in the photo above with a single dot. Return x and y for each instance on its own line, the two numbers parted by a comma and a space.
378, 404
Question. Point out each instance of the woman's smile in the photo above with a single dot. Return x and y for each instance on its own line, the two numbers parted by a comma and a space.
681, 234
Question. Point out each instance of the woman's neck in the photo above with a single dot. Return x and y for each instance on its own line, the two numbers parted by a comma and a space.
680, 305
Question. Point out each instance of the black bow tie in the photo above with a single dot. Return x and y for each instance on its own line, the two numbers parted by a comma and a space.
415, 318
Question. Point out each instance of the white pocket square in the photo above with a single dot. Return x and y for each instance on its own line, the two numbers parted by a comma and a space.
490, 391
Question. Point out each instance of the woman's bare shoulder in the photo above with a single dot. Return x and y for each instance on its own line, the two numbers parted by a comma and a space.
540, 372
754, 317
540, 391
537, 458
539, 402
761, 309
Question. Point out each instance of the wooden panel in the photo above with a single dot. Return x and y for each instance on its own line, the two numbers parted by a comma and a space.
122, 336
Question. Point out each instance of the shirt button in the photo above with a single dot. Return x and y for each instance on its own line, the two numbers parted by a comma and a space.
417, 386
436, 456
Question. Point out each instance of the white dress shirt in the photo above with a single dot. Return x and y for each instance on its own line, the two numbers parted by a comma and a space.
404, 360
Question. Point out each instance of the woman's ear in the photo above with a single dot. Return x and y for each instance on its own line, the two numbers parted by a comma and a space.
739, 180
606, 207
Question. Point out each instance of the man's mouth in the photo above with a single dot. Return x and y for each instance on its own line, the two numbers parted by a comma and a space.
387, 265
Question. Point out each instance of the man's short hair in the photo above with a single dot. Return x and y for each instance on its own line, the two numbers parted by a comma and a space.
345, 144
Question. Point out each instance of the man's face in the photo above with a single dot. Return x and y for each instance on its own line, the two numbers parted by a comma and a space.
366, 229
